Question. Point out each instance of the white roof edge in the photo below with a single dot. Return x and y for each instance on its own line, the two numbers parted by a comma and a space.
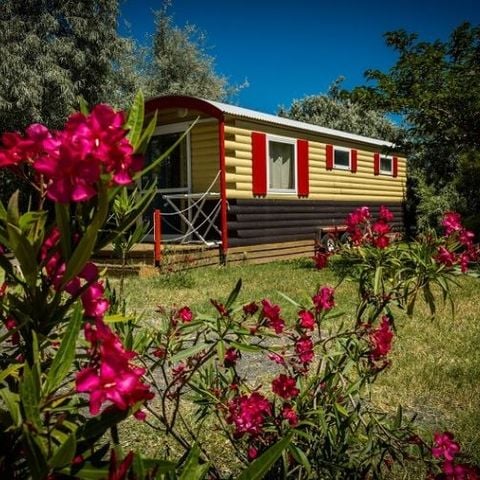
287, 122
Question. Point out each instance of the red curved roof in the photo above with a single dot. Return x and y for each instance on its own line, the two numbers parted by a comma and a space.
181, 101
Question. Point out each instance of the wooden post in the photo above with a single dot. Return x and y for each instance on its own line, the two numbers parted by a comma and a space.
157, 236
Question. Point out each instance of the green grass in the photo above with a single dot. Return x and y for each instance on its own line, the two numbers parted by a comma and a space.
435, 363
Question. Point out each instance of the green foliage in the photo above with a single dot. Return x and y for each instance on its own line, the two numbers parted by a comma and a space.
180, 64
336, 110
52, 52
435, 87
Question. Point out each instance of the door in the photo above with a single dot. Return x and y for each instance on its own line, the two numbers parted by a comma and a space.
171, 176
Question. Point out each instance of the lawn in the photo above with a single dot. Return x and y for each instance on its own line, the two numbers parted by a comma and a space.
435, 363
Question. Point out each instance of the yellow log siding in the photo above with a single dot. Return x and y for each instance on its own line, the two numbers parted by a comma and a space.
324, 185
205, 156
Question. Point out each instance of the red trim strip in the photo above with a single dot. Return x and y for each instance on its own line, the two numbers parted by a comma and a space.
302, 168
259, 163
376, 163
157, 236
395, 166
354, 161
329, 157
179, 101
223, 188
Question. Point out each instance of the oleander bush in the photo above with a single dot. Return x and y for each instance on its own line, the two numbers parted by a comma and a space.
74, 366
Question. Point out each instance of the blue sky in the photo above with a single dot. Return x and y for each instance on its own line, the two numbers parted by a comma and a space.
287, 49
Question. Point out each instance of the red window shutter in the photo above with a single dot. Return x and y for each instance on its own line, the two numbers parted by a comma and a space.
376, 164
329, 155
354, 161
259, 163
302, 168
395, 166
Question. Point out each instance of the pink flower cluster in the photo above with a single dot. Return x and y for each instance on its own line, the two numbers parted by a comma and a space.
85, 284
285, 387
247, 413
446, 448
362, 231
324, 299
453, 228
110, 376
271, 314
381, 340
71, 161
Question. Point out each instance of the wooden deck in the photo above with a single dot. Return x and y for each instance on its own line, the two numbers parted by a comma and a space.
140, 260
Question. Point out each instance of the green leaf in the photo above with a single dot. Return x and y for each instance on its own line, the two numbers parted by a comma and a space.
6, 372
12, 402
147, 135
192, 470
134, 123
63, 360
85, 247
288, 299
233, 294
260, 466
65, 453
83, 105
341, 409
24, 253
378, 280
12, 209
62, 217
301, 458
30, 396
88, 472
97, 426
188, 352
36, 456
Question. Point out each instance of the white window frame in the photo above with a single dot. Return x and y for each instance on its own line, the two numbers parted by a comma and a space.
385, 172
180, 127
342, 167
290, 141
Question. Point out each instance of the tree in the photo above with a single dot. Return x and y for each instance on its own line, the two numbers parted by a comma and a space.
336, 110
53, 51
435, 87
180, 65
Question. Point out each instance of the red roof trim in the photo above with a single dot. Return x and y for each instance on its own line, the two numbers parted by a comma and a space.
178, 101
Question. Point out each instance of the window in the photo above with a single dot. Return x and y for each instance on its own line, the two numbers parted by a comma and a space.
386, 165
281, 165
341, 158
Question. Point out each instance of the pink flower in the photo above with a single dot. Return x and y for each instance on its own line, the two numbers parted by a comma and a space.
452, 222
231, 357
381, 340
250, 308
93, 301
285, 387
252, 453
323, 299
464, 261
459, 471
381, 230
466, 238
321, 260
185, 314
385, 214
110, 376
307, 319
11, 324
271, 312
247, 413
445, 256
289, 414
304, 349
444, 446
275, 357
119, 471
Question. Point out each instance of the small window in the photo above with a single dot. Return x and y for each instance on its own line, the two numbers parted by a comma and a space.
341, 158
386, 165
281, 166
